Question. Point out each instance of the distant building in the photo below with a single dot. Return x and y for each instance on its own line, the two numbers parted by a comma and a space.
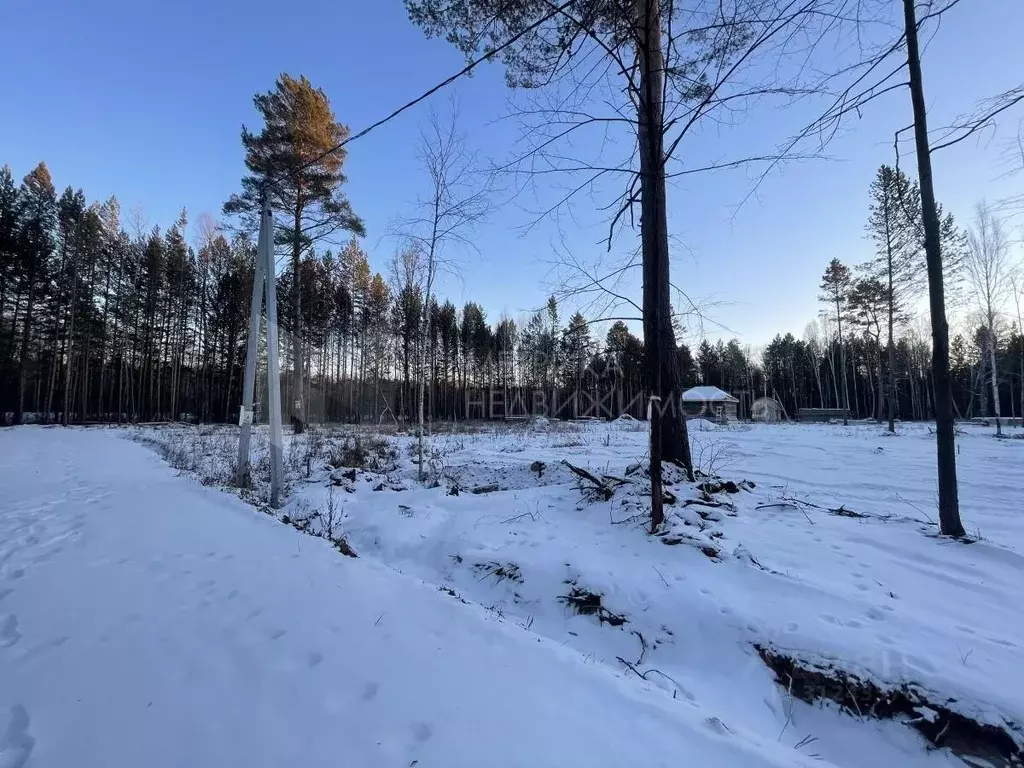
767, 410
710, 403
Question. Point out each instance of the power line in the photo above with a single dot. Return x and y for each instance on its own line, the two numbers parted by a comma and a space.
427, 94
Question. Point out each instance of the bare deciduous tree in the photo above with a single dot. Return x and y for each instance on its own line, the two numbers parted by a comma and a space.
456, 202
988, 272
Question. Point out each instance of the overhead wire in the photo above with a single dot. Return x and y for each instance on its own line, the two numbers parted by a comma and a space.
489, 54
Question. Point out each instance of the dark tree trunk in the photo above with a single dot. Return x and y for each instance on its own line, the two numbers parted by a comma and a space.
26, 337
669, 438
652, 218
949, 503
65, 416
842, 361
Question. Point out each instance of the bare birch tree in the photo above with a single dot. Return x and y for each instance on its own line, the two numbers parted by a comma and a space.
455, 203
988, 272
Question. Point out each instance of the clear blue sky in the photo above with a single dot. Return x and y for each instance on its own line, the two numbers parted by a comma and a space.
146, 100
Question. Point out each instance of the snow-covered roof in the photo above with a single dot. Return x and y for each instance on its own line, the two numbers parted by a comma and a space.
707, 394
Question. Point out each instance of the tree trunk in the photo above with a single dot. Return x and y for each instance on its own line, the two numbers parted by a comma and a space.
995, 377
892, 322
652, 218
70, 341
298, 415
949, 503
26, 334
842, 363
669, 440
856, 395
881, 379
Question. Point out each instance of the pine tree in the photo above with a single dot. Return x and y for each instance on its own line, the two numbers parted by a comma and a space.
869, 304
835, 289
892, 226
37, 218
289, 161
9, 228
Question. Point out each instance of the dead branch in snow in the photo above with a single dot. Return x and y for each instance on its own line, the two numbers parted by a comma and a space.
643, 675
599, 486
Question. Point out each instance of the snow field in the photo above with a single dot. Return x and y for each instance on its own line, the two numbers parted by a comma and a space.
145, 619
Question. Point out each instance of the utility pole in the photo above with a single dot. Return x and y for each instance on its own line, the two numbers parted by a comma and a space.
263, 282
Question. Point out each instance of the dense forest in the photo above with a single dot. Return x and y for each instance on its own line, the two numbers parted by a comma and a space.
101, 324
105, 319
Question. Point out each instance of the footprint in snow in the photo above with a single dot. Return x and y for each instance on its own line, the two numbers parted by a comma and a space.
9, 633
15, 743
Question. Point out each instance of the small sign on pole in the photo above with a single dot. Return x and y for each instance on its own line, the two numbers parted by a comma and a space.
244, 416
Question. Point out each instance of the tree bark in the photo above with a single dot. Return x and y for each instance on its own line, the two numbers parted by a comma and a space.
652, 218
668, 427
949, 503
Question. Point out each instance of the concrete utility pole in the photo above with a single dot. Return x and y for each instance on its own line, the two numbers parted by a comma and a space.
263, 282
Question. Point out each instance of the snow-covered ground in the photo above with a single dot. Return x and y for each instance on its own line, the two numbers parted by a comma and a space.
146, 620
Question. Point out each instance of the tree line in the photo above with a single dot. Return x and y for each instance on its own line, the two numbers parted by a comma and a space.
101, 324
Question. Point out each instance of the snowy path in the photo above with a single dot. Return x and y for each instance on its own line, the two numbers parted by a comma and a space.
145, 620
